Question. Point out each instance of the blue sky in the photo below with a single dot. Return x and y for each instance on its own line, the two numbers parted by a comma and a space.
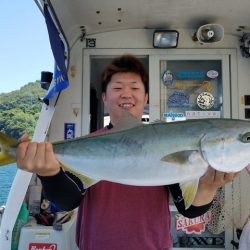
24, 47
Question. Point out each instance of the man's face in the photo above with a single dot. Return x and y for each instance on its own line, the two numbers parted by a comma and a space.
125, 92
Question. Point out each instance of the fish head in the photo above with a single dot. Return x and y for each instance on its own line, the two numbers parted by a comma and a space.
227, 150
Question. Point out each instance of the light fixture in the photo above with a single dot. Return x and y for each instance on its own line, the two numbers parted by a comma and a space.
165, 39
46, 78
76, 108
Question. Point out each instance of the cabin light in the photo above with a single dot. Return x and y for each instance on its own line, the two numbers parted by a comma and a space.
46, 78
165, 39
76, 108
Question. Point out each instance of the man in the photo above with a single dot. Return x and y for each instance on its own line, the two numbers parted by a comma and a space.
114, 216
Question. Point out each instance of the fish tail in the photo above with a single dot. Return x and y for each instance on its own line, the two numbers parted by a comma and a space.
7, 149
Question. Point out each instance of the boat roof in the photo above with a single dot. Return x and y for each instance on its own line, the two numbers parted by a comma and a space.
97, 16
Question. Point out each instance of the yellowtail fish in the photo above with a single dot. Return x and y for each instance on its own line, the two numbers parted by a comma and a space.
153, 154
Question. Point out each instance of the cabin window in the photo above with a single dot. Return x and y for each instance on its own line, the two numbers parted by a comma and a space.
191, 89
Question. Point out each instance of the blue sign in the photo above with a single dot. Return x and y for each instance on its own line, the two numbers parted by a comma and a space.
187, 74
167, 78
178, 100
173, 116
69, 131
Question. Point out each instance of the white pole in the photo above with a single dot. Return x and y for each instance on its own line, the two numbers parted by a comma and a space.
22, 179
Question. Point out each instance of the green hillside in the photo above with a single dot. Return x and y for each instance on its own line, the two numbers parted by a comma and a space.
19, 110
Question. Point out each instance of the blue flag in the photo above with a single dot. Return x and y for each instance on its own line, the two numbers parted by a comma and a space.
60, 72
60, 83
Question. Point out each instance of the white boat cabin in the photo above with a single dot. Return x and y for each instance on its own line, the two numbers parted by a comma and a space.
197, 54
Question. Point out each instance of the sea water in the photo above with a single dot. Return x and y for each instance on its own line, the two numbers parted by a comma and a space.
7, 174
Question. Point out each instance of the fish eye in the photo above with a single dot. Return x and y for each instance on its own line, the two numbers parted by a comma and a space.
246, 137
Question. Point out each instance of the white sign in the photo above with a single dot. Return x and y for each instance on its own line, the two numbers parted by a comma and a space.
212, 74
201, 114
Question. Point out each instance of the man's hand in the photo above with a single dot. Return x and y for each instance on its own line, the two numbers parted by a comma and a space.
209, 183
214, 179
37, 158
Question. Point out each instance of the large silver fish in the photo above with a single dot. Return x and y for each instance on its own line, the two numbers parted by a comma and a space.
153, 154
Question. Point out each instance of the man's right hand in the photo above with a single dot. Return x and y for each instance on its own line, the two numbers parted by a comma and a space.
38, 158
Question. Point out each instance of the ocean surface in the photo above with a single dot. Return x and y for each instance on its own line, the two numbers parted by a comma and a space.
7, 174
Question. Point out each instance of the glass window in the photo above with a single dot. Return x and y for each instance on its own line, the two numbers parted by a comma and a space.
190, 89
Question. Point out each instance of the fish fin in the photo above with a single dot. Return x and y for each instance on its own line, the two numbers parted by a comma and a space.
7, 149
189, 190
126, 121
87, 182
179, 157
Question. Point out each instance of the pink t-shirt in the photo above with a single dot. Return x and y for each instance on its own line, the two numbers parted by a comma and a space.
121, 217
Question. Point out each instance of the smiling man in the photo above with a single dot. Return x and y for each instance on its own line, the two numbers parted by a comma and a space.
125, 92
114, 216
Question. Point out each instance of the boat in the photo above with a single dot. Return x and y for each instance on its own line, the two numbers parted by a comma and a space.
197, 54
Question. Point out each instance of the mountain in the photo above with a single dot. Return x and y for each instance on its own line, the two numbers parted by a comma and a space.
19, 109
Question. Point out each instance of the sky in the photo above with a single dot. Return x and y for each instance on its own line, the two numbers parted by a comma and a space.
24, 44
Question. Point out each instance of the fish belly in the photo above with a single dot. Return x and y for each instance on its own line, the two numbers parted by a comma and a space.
135, 170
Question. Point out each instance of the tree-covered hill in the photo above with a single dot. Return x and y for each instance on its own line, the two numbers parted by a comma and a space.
19, 110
